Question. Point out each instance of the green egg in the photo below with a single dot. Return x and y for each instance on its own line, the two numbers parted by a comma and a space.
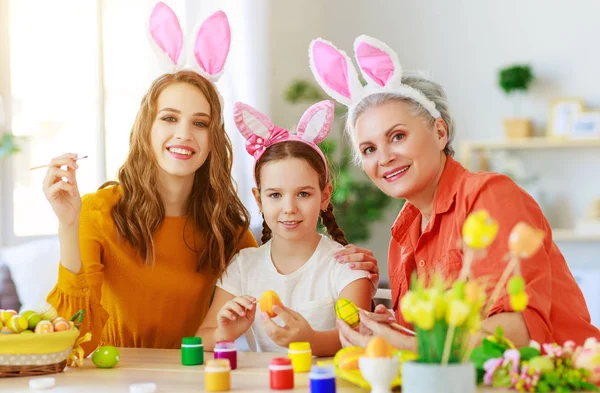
106, 357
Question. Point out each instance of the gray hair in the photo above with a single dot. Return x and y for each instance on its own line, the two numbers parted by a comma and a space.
433, 91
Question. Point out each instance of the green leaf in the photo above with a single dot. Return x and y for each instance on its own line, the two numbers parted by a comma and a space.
492, 347
515, 78
8, 145
528, 353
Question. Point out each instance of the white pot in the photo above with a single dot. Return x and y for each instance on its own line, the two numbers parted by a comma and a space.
435, 378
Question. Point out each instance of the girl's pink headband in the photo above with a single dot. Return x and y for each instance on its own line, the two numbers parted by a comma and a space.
260, 133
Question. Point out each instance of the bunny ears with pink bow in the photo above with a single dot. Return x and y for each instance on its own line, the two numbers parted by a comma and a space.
206, 55
260, 133
379, 65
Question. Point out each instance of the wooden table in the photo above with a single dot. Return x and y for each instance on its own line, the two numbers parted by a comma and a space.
163, 367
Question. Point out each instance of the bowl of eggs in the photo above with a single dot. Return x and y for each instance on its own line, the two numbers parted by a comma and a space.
36, 342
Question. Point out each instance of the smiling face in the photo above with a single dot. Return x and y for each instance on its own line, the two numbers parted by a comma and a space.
401, 153
291, 198
180, 132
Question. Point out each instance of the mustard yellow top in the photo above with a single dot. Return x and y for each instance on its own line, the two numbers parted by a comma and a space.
127, 303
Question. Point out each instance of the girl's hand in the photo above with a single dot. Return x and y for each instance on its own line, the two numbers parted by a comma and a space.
296, 327
360, 259
63, 195
236, 317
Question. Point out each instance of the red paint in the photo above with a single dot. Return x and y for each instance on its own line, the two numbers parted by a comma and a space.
281, 374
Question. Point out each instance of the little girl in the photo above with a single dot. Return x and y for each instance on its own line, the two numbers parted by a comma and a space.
292, 191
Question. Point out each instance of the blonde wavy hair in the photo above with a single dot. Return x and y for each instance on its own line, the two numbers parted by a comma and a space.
213, 207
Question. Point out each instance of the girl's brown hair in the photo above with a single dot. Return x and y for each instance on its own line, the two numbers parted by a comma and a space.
300, 150
213, 207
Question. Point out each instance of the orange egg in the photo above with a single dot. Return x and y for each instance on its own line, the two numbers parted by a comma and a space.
268, 300
347, 358
378, 348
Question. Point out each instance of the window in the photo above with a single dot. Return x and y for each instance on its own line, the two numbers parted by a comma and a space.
55, 97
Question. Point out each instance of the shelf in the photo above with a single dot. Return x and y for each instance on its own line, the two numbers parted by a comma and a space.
536, 143
569, 235
532, 143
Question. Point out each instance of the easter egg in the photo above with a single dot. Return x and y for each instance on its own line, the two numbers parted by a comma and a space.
516, 285
6, 330
44, 327
378, 348
48, 312
479, 230
60, 324
17, 324
524, 241
519, 301
32, 317
268, 300
347, 312
6, 315
347, 358
106, 357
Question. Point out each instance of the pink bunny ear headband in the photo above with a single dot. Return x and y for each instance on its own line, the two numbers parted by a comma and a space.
207, 53
260, 133
378, 64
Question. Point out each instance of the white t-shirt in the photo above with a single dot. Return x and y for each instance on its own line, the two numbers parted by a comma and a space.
312, 290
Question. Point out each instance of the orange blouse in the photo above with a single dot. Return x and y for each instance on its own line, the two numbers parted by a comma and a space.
556, 312
126, 303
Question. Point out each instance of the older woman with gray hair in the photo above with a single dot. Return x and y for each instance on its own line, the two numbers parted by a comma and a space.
402, 130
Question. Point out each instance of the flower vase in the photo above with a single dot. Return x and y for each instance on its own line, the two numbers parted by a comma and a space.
438, 378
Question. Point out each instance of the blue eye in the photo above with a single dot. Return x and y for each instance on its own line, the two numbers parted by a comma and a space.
303, 194
275, 195
201, 124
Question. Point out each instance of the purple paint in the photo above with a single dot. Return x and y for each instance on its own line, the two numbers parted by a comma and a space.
226, 350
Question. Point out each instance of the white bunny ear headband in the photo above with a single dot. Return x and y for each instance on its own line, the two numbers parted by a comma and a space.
260, 133
379, 65
207, 53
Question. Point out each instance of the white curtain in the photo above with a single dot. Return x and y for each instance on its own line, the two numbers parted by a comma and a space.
245, 78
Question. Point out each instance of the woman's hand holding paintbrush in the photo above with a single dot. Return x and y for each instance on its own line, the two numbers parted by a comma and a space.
60, 188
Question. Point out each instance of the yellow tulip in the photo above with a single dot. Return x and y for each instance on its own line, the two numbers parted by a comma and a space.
479, 230
519, 301
407, 306
474, 295
473, 323
457, 313
424, 315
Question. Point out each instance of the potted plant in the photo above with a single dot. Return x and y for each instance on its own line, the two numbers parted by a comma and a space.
356, 200
515, 81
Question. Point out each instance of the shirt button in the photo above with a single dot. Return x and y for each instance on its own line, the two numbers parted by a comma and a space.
421, 263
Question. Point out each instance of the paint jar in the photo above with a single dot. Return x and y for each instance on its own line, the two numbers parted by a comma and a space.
322, 380
281, 374
226, 350
301, 356
217, 375
192, 351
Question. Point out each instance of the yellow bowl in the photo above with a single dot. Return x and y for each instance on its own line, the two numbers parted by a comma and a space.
17, 344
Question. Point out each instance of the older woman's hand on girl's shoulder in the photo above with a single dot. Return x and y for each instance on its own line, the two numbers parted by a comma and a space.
359, 259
